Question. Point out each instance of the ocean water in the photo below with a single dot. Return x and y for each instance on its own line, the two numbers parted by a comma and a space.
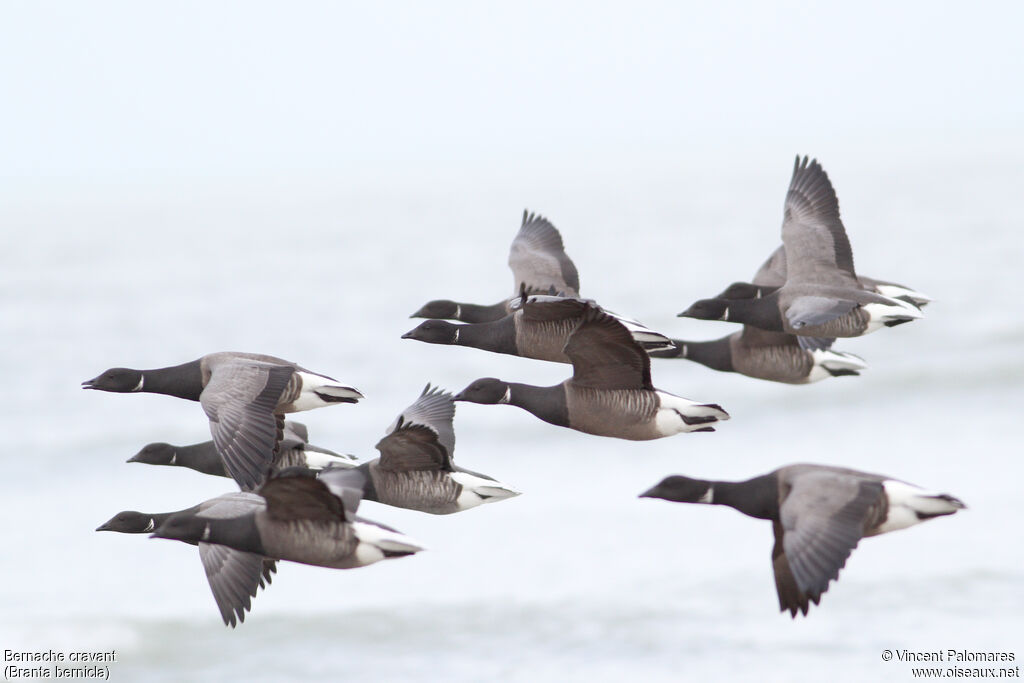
576, 579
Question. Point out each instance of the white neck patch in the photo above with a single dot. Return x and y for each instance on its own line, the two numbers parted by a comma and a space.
456, 335
206, 532
458, 312
508, 395
138, 387
149, 527
706, 498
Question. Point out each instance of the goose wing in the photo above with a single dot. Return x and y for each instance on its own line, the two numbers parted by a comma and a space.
822, 518
538, 259
422, 437
234, 577
817, 249
604, 354
296, 494
772, 272
240, 399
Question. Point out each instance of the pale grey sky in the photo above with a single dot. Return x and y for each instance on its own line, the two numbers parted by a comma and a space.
131, 89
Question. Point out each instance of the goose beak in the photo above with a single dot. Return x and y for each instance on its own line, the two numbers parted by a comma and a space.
90, 383
407, 335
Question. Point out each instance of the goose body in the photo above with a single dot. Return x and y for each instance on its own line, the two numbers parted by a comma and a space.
244, 395
772, 275
539, 328
610, 392
299, 519
772, 356
819, 513
415, 469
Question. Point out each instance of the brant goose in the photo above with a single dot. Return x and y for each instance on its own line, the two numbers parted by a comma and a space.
821, 298
539, 265
538, 328
234, 575
298, 519
819, 513
610, 392
415, 468
244, 395
773, 276
292, 516
773, 356
293, 451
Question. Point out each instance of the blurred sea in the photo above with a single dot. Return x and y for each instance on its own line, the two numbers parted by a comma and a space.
576, 579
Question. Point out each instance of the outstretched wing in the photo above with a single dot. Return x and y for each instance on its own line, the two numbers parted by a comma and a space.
817, 248
538, 259
234, 578
422, 437
822, 517
240, 400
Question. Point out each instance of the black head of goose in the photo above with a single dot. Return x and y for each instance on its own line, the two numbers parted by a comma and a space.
538, 328
234, 576
819, 514
539, 265
610, 392
293, 451
415, 469
446, 309
772, 356
134, 522
822, 298
244, 395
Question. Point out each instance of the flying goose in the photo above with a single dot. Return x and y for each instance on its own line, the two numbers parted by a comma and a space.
773, 356
234, 575
539, 265
415, 468
821, 298
610, 392
298, 519
819, 514
293, 451
538, 327
292, 516
244, 395
773, 276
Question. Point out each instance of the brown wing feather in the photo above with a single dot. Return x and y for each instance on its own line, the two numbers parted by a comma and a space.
790, 596
413, 447
293, 498
604, 354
